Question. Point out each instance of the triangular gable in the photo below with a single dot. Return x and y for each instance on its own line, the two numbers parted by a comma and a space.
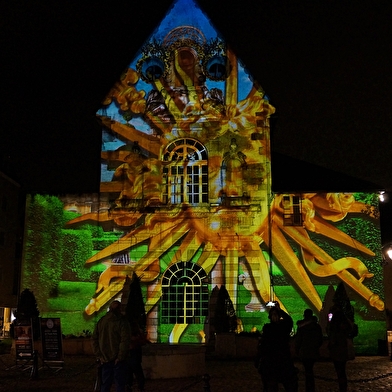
184, 82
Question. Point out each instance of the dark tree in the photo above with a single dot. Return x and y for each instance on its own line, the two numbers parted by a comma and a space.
209, 326
135, 311
27, 312
225, 319
342, 301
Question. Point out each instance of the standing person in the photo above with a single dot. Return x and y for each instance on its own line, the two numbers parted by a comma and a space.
111, 341
339, 331
135, 357
275, 363
308, 341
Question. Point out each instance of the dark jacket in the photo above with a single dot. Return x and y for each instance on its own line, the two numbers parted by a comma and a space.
274, 344
112, 338
274, 363
339, 331
308, 339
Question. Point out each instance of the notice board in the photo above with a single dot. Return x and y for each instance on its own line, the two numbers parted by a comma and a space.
52, 340
23, 333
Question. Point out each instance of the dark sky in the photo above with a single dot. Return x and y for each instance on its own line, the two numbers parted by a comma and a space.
326, 66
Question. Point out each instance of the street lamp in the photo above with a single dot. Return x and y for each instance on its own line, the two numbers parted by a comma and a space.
387, 253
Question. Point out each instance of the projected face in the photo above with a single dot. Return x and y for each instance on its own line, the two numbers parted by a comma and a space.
186, 170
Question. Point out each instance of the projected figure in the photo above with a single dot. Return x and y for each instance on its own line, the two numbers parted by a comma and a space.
234, 162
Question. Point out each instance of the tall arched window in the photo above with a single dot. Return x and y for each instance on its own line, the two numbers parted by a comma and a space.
184, 294
185, 172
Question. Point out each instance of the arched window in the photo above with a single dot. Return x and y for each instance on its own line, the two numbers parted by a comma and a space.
184, 294
185, 172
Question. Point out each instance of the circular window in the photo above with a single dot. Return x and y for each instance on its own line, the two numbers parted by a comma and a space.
217, 68
152, 68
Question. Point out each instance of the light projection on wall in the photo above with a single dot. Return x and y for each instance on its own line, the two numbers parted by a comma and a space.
186, 203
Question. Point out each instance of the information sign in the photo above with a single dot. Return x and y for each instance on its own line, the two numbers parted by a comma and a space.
52, 342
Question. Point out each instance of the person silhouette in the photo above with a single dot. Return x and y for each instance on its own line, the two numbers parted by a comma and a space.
111, 340
275, 363
340, 330
308, 341
135, 368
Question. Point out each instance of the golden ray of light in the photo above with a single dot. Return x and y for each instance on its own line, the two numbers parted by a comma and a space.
189, 246
149, 275
337, 266
148, 142
208, 258
326, 229
96, 303
176, 333
154, 292
158, 247
301, 237
114, 271
114, 277
131, 239
106, 216
373, 299
165, 238
154, 297
290, 262
256, 266
121, 245
122, 271
231, 274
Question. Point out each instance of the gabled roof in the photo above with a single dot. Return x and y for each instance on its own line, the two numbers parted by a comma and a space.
293, 175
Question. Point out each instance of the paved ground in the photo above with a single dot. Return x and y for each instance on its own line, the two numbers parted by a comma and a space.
365, 374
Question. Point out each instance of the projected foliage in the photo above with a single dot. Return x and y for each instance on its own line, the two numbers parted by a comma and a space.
186, 203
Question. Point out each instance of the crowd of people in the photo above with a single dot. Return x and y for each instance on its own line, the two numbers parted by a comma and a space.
275, 361
117, 344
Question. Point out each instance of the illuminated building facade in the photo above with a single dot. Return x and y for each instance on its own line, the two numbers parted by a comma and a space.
186, 203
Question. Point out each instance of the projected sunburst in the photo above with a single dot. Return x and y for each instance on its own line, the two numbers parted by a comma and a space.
198, 184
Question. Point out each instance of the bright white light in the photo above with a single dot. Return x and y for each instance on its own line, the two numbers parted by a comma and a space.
382, 196
389, 253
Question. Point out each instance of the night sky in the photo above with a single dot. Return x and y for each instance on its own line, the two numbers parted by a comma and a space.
325, 65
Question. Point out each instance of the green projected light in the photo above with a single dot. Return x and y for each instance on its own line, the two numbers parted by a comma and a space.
185, 203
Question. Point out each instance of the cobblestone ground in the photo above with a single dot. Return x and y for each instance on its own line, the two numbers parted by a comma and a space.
78, 374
